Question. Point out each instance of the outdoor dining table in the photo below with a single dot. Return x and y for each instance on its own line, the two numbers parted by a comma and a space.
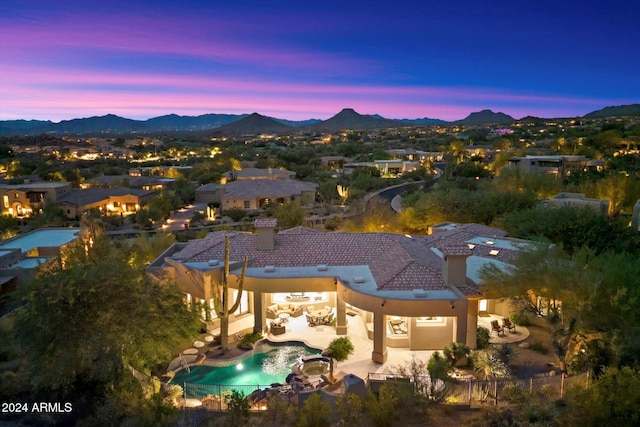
317, 317
319, 313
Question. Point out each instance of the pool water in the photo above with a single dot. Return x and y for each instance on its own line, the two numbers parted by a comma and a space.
262, 369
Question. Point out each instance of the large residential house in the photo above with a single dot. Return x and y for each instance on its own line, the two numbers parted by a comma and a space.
412, 292
117, 200
559, 166
394, 167
24, 199
149, 183
253, 189
21, 256
579, 200
255, 173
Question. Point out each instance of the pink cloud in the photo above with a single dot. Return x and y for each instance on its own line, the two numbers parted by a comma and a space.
65, 93
70, 38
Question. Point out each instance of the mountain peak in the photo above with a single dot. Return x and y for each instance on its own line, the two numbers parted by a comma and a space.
487, 116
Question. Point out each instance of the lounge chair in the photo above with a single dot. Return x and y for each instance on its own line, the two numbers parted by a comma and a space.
507, 324
495, 327
311, 320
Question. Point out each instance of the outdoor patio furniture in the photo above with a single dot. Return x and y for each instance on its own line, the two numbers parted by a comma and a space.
278, 329
495, 327
507, 324
326, 320
312, 321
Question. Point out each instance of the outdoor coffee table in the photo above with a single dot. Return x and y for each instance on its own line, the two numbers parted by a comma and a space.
284, 317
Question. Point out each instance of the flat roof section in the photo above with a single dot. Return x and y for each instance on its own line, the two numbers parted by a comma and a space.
46, 237
29, 263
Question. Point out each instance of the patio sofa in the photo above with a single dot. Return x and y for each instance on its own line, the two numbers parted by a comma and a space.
275, 309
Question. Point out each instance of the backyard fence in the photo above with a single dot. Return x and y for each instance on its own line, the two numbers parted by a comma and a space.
470, 392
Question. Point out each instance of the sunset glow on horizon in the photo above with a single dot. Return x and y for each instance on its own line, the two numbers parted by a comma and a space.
298, 61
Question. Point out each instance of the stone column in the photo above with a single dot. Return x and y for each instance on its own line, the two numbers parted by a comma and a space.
472, 324
341, 315
379, 354
461, 314
259, 315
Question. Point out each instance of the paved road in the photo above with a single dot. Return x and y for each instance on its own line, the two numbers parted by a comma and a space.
180, 218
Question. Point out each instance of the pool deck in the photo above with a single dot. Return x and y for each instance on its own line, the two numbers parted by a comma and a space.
359, 363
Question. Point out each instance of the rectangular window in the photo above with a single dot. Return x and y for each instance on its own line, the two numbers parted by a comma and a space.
244, 302
247, 204
428, 320
5, 199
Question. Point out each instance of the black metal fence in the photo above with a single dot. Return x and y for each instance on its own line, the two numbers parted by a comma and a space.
470, 392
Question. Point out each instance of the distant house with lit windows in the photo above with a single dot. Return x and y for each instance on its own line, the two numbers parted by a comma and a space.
412, 292
118, 200
559, 166
22, 200
253, 189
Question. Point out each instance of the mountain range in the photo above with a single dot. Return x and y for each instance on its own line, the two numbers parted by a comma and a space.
255, 123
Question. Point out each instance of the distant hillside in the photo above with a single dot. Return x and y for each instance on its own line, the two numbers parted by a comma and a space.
423, 121
349, 119
108, 123
615, 111
254, 123
486, 116
296, 123
532, 119
174, 122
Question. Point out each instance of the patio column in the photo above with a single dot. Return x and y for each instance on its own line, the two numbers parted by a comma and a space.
461, 315
379, 354
341, 316
472, 324
208, 295
259, 318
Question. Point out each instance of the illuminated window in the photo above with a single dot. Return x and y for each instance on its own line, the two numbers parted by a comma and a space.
244, 302
420, 321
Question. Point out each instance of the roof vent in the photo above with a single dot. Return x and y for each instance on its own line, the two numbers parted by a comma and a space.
213, 262
419, 293
269, 269
322, 267
358, 279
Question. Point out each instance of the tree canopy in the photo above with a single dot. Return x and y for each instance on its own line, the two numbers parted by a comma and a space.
91, 317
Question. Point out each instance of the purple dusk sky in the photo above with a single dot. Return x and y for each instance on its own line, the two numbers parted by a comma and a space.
309, 59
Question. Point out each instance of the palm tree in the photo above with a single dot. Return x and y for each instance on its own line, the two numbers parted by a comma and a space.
221, 297
338, 349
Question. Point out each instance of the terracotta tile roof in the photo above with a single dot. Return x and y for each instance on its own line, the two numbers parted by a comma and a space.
266, 188
455, 249
265, 223
397, 262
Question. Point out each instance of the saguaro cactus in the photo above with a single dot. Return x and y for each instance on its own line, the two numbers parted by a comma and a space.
221, 296
343, 192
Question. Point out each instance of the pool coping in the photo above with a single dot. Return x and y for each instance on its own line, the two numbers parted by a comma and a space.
234, 360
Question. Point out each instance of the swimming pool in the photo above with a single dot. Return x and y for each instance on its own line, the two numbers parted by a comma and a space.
262, 369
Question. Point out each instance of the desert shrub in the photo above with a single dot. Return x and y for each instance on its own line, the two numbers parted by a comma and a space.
514, 394
438, 366
482, 338
503, 352
236, 214
247, 341
539, 348
237, 409
520, 319
456, 352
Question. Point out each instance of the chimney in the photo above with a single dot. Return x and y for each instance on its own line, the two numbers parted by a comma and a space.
266, 230
454, 265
